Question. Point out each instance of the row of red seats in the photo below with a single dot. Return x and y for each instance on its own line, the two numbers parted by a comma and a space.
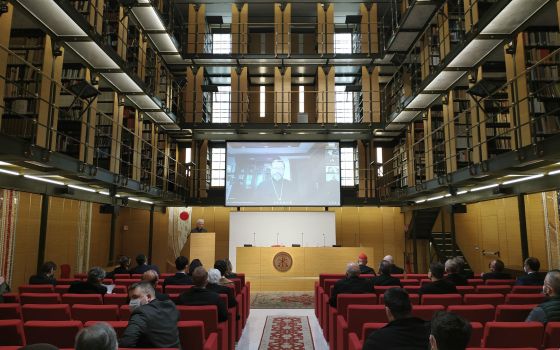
411, 278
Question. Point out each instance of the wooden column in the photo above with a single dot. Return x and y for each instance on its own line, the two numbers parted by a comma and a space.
137, 146
282, 30
89, 121
5, 29
116, 134
443, 31
371, 95
325, 28
428, 144
239, 95
154, 154
193, 94
449, 133
196, 28
202, 162
282, 94
409, 149
368, 28
122, 33
325, 95
239, 28
366, 173
478, 122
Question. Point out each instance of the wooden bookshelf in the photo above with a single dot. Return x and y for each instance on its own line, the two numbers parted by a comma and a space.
92, 10
108, 130
434, 144
115, 27
5, 31
148, 150
457, 129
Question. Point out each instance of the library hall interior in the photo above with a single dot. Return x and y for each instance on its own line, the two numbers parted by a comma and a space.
280, 174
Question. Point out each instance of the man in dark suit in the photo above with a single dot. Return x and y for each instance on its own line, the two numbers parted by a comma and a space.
439, 285
199, 226
532, 276
352, 284
385, 278
449, 331
362, 262
548, 311
152, 323
403, 330
124, 264
214, 276
496, 271
199, 295
92, 285
152, 277
180, 277
45, 275
142, 266
394, 268
453, 276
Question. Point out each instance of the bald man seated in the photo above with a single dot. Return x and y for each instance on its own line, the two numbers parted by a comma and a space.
352, 284
394, 268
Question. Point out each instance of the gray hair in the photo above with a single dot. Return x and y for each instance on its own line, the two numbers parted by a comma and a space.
200, 221
96, 274
451, 266
553, 279
214, 276
145, 287
100, 336
352, 269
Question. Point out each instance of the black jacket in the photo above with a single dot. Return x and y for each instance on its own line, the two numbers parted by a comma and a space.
223, 290
366, 270
162, 296
496, 276
386, 280
201, 296
153, 325
119, 270
84, 287
438, 287
530, 279
457, 279
42, 279
140, 269
350, 285
178, 279
396, 270
404, 334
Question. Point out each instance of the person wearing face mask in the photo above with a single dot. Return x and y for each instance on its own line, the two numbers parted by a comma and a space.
275, 188
548, 311
532, 277
152, 323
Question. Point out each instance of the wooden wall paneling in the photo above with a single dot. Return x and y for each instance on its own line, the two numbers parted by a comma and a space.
5, 30
196, 28
159, 248
368, 29
193, 94
536, 234
239, 28
449, 134
116, 133
239, 97
282, 94
100, 235
135, 237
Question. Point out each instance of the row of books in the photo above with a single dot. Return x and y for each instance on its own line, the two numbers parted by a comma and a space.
546, 73
25, 57
21, 81
541, 38
81, 6
73, 73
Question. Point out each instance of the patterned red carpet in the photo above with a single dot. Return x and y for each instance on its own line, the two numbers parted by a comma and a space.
282, 300
286, 332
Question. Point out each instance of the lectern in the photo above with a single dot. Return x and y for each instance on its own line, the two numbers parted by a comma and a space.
202, 245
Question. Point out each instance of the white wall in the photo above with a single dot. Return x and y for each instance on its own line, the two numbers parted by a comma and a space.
264, 229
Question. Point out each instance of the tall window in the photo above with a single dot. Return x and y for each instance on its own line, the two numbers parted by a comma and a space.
262, 102
221, 43
379, 161
343, 43
343, 105
348, 166
301, 99
218, 166
188, 158
221, 105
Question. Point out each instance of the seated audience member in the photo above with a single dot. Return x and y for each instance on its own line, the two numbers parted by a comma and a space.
152, 323
549, 311
45, 275
151, 276
394, 268
99, 336
142, 265
439, 285
214, 276
496, 271
199, 295
124, 264
453, 276
4, 288
461, 263
221, 266
180, 277
385, 278
352, 284
229, 272
92, 285
532, 276
194, 264
449, 332
362, 263
403, 331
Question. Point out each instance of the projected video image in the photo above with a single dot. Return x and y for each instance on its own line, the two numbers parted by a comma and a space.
283, 173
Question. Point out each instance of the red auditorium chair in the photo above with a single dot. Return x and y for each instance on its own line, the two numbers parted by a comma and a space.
493, 282
398, 275
412, 289
237, 284
513, 313
414, 299
120, 290
57, 333
36, 288
500, 349
46, 312
177, 289
474, 313
524, 299
11, 333
10, 311
513, 334
118, 326
39, 298
380, 290
465, 289
426, 312
498, 288
477, 331
193, 336
231, 322
65, 271
356, 317
126, 282
417, 276
66, 281
442, 299
209, 315
122, 276
424, 281
80, 276
90, 299
409, 282
137, 276
526, 290
115, 299
11, 298
357, 343
86, 313
124, 312
107, 281
342, 303
174, 297
475, 281
481, 299
552, 335
61, 288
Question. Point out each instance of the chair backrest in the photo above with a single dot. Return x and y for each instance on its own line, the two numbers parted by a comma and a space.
91, 299
191, 334
326, 276
177, 289
474, 313
80, 276
344, 300
477, 331
414, 299
526, 289
327, 285
46, 312
426, 312
10, 311
442, 299
498, 288
417, 276
57, 333
86, 313
61, 288
122, 276
126, 282
65, 271
120, 290
412, 289
241, 276
124, 312
513, 313
465, 289
66, 281
11, 333
475, 281
369, 328
118, 326
36, 288
11, 298
552, 335
357, 315
206, 313
136, 276
513, 334
409, 282
480, 299
115, 299
494, 282
238, 285
39, 298
524, 299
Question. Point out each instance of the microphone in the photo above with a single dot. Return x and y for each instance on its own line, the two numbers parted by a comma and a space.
324, 241
277, 235
302, 239
254, 244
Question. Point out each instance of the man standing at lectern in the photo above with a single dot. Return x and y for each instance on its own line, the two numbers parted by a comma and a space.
199, 226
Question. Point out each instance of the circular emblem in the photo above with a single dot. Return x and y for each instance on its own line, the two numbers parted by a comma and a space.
282, 261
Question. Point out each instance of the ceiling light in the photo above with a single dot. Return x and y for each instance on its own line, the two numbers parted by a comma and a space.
104, 193
163, 42
483, 187
9, 172
422, 100
90, 52
522, 179
447, 195
405, 116
143, 101
148, 18
44, 180
122, 81
461, 192
554, 172
53, 17
134, 199
147, 202
160, 117
82, 188
434, 198
420, 201
4, 163
513, 16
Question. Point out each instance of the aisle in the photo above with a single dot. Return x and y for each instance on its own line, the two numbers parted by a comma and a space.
253, 331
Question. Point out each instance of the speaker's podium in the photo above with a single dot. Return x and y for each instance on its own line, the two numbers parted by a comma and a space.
202, 245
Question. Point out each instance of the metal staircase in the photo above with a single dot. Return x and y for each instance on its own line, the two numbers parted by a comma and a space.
445, 248
422, 223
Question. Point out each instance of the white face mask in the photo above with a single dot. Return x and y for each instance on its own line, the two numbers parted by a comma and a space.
134, 304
